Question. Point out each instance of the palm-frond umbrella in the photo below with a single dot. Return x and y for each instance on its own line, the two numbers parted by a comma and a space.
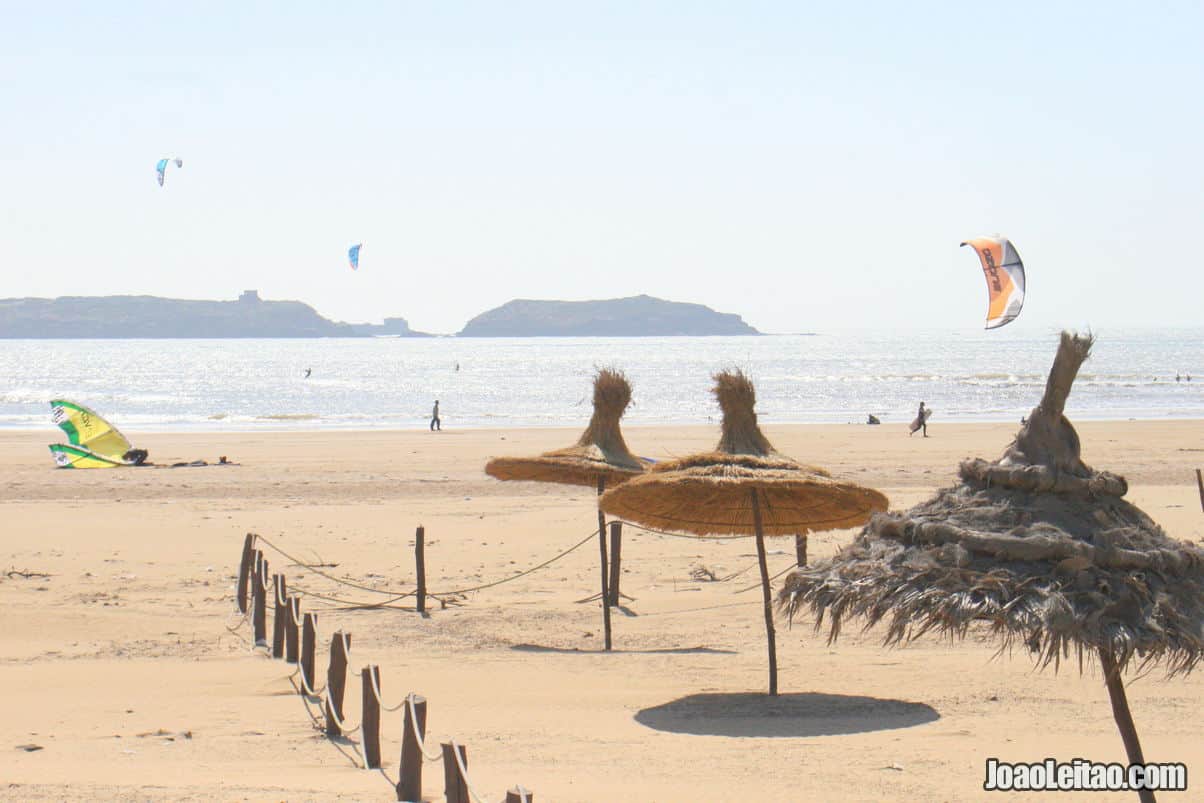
742, 487
1037, 545
598, 459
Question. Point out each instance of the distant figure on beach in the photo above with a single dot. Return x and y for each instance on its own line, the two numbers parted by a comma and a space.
457, 366
436, 425
872, 419
1178, 378
308, 371
921, 421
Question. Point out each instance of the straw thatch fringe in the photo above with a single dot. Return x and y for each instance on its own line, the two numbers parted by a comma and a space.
737, 400
717, 500
1133, 591
1037, 546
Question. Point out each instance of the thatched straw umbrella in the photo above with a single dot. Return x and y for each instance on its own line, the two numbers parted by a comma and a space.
1037, 545
599, 458
743, 486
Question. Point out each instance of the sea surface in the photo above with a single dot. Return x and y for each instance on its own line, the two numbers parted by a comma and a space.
391, 383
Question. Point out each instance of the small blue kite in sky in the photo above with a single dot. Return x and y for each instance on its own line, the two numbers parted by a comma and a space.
161, 167
353, 255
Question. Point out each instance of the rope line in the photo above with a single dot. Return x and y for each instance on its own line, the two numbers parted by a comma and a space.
311, 567
706, 608
536, 568
464, 774
317, 723
311, 692
352, 604
791, 567
241, 621
667, 534
377, 695
413, 717
329, 708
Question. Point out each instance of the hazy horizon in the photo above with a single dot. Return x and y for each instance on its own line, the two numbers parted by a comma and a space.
805, 168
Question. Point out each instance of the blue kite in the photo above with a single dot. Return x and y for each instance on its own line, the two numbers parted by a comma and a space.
353, 255
161, 167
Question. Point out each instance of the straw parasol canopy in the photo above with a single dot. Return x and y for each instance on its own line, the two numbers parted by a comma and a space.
709, 493
743, 486
599, 458
600, 452
1039, 546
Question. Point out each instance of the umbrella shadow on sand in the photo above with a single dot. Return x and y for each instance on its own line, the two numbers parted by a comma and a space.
786, 715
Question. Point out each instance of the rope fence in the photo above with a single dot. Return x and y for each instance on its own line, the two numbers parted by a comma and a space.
294, 639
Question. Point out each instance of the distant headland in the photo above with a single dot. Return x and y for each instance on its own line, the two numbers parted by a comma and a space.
637, 316
153, 317
251, 316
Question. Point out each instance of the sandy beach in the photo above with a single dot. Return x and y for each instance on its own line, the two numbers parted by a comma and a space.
119, 664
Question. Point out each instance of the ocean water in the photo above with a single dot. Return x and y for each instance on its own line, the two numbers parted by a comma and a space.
391, 383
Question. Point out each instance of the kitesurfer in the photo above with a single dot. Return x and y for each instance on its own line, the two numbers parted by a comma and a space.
436, 425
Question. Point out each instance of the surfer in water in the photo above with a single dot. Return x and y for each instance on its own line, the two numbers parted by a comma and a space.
921, 422
308, 371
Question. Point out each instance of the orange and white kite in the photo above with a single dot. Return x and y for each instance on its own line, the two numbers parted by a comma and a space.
1004, 273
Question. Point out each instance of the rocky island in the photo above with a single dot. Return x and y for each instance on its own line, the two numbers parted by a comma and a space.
637, 316
153, 317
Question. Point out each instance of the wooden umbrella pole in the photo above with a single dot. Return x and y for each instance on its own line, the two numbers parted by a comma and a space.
1124, 719
769, 636
605, 570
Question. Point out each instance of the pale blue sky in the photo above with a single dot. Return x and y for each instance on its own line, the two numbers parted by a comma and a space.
808, 166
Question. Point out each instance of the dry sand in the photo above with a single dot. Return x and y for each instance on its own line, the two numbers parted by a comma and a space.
123, 650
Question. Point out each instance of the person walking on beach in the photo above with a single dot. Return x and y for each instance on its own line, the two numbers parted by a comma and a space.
436, 425
921, 422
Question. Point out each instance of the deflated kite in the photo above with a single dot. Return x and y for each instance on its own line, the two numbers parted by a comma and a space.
161, 167
353, 256
1004, 272
94, 442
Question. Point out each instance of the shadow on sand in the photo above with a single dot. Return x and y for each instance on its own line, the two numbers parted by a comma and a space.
661, 651
802, 714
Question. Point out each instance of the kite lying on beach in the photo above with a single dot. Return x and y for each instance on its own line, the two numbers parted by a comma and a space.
1004, 273
94, 442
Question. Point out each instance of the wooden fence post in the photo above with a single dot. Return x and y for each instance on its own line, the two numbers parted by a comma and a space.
291, 623
519, 794
455, 788
336, 681
800, 550
370, 727
279, 615
256, 565
1200, 483
244, 570
420, 568
616, 553
259, 603
309, 634
409, 785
